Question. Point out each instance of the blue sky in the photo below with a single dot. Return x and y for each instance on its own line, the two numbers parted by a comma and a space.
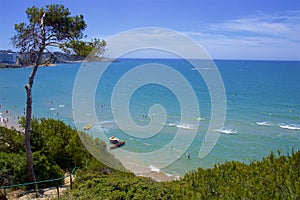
228, 29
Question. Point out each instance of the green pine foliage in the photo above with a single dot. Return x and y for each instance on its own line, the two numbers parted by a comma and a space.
12, 168
271, 178
11, 141
12, 157
121, 185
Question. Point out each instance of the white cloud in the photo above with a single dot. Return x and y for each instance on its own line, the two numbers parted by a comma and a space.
262, 36
161, 40
286, 25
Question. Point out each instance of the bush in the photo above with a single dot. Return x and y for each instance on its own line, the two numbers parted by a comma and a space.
12, 168
46, 169
11, 140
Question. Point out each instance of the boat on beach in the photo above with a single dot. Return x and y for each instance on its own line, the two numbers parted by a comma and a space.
115, 142
119, 144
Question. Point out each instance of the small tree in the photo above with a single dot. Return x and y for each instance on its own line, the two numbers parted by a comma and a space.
49, 26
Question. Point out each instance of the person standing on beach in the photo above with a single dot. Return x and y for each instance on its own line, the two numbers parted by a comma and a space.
188, 156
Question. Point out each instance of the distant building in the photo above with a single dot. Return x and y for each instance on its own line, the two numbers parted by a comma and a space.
8, 57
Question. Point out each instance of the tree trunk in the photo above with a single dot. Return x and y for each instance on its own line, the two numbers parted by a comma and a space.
28, 88
29, 158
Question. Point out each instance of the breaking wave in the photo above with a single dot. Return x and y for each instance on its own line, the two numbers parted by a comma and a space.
264, 123
290, 126
227, 131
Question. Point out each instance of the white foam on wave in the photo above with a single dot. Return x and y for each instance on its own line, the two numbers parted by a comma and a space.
147, 144
185, 126
182, 125
264, 123
197, 69
227, 131
290, 126
200, 119
170, 124
169, 175
100, 128
154, 169
107, 122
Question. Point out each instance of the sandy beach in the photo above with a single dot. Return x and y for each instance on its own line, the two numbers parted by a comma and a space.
10, 121
140, 169
159, 176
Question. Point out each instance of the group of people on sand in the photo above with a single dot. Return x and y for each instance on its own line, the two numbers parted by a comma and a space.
3, 120
5, 117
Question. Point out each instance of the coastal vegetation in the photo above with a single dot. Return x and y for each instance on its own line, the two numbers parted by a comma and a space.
56, 149
274, 177
48, 27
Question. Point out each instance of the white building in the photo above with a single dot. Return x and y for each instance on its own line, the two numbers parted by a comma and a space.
10, 58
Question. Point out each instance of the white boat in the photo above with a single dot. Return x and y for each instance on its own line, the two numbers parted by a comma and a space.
114, 140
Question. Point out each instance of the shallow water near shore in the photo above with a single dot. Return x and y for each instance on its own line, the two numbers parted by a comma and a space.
263, 108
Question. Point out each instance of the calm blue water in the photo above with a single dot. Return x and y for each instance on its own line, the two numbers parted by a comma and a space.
263, 106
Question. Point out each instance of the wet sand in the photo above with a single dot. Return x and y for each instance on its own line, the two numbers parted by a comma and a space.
140, 169
158, 176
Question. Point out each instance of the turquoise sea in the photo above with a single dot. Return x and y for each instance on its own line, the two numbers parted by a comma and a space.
263, 107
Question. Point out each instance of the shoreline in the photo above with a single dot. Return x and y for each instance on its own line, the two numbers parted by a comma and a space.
10, 122
159, 176
14, 66
146, 170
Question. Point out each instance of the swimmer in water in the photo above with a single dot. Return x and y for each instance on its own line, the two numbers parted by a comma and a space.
188, 156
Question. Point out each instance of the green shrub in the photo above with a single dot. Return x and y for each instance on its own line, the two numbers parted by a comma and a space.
56, 147
272, 178
11, 140
46, 169
12, 168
